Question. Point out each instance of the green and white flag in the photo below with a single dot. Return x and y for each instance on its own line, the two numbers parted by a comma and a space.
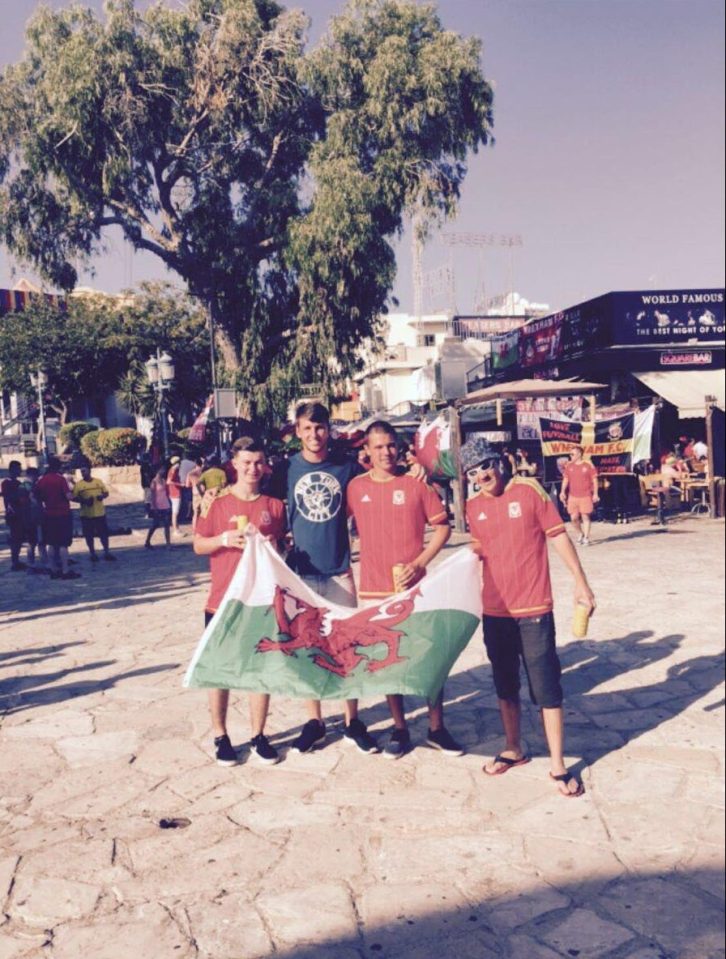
273, 634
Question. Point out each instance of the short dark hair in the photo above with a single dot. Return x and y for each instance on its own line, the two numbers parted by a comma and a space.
246, 444
315, 412
54, 464
381, 426
15, 463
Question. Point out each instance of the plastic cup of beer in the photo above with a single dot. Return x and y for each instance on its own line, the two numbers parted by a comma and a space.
580, 621
242, 523
397, 572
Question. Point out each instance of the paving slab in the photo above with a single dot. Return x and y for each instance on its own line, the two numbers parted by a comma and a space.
334, 855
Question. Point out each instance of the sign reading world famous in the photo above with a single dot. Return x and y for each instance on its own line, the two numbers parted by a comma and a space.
674, 316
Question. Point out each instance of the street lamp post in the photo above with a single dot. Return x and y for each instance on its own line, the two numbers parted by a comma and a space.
160, 372
40, 380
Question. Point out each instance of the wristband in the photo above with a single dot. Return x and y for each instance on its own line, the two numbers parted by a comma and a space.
225, 538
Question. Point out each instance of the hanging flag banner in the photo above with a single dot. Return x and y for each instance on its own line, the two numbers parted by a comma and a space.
433, 448
530, 410
197, 433
608, 444
505, 350
273, 634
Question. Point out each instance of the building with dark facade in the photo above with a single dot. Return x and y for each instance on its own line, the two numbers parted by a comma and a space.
664, 343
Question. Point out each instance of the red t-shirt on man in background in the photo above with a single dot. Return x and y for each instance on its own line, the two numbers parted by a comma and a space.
391, 517
265, 513
581, 477
53, 492
510, 534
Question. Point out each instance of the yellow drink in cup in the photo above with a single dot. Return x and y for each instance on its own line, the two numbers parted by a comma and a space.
397, 571
580, 621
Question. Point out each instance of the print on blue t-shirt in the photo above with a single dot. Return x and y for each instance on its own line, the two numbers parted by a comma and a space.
317, 515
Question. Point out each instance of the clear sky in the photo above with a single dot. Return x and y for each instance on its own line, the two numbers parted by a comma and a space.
609, 153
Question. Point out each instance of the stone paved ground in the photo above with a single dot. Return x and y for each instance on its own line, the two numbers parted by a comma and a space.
340, 856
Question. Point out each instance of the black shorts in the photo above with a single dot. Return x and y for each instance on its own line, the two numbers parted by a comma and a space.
531, 640
58, 530
94, 526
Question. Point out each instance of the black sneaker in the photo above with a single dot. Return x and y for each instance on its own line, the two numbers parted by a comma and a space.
93, 558
263, 751
224, 751
398, 745
17, 567
313, 732
109, 558
443, 740
357, 734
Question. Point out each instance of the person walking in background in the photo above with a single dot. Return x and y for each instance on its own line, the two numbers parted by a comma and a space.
159, 507
91, 492
192, 484
174, 491
54, 494
16, 501
35, 530
185, 468
580, 493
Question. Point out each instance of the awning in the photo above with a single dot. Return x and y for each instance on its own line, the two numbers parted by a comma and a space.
522, 389
686, 389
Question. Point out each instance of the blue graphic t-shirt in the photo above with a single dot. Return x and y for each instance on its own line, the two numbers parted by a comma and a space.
316, 509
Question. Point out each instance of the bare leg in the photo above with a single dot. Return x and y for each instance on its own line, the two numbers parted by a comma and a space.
586, 525
553, 721
314, 709
218, 703
511, 712
398, 713
63, 554
259, 707
350, 708
577, 523
436, 713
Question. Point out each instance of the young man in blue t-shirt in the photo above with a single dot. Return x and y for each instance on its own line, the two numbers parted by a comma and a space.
314, 483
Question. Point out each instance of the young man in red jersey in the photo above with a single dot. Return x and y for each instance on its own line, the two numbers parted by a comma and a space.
218, 535
391, 511
579, 493
511, 521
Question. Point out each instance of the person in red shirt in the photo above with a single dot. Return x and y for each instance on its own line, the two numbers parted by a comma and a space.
391, 511
54, 494
579, 493
511, 522
218, 535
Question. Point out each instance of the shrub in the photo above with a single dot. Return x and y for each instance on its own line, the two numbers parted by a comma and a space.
71, 434
90, 448
120, 446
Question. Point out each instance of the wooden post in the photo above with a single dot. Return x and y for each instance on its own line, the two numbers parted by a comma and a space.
710, 400
593, 407
500, 417
458, 481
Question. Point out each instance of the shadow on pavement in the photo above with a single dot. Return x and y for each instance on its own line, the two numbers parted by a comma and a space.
138, 577
19, 693
653, 915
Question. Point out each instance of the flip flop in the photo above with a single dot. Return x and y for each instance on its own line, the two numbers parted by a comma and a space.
565, 778
508, 764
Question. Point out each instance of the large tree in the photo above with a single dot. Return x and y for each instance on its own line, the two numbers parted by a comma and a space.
270, 179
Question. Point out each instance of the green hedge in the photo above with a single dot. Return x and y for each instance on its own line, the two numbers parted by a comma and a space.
119, 446
90, 449
71, 434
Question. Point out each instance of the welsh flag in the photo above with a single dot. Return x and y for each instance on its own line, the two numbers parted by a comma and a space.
273, 634
198, 430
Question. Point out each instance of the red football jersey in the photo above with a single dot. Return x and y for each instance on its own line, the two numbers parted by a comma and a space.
266, 513
391, 517
580, 477
511, 533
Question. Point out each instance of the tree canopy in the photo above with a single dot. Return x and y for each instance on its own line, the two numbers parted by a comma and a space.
99, 344
270, 178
